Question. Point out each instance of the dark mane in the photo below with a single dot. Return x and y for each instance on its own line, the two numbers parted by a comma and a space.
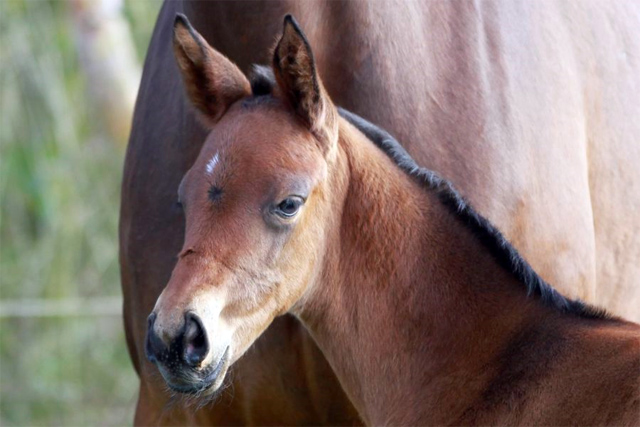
262, 84
505, 254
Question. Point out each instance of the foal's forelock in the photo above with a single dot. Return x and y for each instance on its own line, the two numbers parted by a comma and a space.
262, 80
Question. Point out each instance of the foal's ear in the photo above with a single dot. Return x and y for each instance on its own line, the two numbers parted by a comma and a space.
299, 84
212, 82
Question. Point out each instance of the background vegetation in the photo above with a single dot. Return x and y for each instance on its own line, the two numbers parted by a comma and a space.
59, 200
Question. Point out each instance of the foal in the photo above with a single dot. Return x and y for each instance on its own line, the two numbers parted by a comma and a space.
425, 312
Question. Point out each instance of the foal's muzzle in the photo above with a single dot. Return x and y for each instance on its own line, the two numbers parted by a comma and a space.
179, 357
190, 346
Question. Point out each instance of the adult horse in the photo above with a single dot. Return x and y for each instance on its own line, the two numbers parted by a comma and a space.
527, 107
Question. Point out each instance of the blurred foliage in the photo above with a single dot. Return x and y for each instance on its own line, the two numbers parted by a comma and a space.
59, 201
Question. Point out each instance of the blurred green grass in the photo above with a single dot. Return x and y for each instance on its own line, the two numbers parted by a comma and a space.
59, 201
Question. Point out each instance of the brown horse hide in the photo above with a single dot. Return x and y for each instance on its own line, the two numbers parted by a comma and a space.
529, 108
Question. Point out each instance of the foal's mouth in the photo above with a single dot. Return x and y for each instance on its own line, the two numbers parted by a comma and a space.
206, 381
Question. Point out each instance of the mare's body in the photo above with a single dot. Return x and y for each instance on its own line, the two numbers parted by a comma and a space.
526, 107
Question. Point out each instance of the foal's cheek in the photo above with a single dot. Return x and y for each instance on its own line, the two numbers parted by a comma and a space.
273, 253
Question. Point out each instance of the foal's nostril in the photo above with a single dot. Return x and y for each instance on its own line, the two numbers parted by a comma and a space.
154, 347
151, 320
196, 344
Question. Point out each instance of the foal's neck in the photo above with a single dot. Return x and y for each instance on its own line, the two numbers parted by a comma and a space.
411, 307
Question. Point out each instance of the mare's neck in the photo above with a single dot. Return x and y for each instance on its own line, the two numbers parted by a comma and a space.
410, 307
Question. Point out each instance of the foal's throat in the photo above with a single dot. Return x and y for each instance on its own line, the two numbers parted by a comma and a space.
402, 289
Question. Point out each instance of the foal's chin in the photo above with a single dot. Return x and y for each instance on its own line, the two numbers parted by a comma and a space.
204, 382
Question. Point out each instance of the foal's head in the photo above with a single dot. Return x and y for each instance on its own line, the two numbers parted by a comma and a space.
257, 207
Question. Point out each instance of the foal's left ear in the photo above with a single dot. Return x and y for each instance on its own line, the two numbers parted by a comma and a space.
300, 85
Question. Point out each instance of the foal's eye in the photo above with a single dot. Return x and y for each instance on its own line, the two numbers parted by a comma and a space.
289, 207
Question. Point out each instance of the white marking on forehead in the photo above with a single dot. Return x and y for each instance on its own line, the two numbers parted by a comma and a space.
212, 164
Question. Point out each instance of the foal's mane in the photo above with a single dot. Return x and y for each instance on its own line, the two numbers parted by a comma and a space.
505, 254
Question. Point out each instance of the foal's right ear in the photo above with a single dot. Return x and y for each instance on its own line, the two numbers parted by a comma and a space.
212, 82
